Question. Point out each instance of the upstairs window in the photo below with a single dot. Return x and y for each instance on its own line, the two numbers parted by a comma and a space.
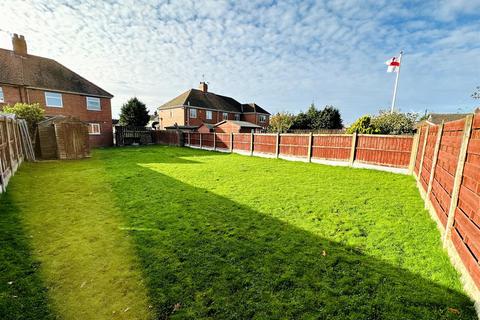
209, 115
262, 118
93, 104
237, 116
53, 99
225, 115
193, 113
2, 98
94, 128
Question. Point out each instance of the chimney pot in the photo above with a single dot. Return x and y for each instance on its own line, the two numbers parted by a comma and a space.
19, 44
203, 86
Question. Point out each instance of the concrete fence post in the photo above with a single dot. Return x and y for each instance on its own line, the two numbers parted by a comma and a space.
277, 145
423, 153
434, 162
231, 141
413, 155
251, 143
200, 134
353, 149
458, 178
310, 142
8, 147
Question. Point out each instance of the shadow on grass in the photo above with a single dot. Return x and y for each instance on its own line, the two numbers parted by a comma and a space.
22, 293
206, 256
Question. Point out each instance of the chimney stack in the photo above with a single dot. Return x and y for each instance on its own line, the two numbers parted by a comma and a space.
203, 86
19, 44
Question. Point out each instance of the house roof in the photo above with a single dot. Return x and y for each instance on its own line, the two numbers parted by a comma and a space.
437, 118
43, 73
210, 100
253, 107
241, 124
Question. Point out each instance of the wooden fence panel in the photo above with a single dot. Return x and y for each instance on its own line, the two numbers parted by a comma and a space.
241, 141
194, 139
428, 157
223, 140
294, 145
207, 140
168, 137
418, 158
11, 151
442, 185
332, 147
466, 226
265, 143
391, 151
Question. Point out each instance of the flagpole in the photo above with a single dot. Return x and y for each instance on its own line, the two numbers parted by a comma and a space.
396, 83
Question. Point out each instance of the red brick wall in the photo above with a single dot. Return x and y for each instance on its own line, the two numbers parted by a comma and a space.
11, 95
255, 118
73, 105
169, 117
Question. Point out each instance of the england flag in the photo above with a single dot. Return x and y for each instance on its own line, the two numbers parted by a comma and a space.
393, 64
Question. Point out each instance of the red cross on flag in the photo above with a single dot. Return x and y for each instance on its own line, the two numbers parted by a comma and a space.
393, 64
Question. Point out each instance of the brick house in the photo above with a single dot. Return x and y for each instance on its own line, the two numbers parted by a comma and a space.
31, 79
196, 107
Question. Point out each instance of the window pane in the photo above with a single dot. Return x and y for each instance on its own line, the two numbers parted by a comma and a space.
225, 116
193, 113
93, 103
2, 99
53, 99
209, 115
94, 128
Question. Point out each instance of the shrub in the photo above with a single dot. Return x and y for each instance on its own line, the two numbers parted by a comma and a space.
134, 113
281, 122
395, 122
32, 113
363, 125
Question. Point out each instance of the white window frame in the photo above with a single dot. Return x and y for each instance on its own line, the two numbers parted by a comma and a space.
192, 113
262, 118
92, 131
237, 116
92, 99
209, 115
2, 97
225, 115
55, 96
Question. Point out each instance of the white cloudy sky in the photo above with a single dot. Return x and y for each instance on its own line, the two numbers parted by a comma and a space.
279, 54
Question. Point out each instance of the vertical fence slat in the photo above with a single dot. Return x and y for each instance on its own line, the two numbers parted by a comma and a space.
309, 155
458, 177
353, 148
434, 163
413, 156
423, 153
277, 145
251, 143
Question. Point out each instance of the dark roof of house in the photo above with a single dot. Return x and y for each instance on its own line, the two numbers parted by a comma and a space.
242, 124
210, 100
39, 72
437, 118
253, 107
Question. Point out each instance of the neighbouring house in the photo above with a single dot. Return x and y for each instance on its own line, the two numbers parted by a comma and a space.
32, 79
227, 126
196, 107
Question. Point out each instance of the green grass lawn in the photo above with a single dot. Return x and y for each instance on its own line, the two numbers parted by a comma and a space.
176, 233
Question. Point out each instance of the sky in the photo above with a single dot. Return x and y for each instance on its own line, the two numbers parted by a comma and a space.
282, 55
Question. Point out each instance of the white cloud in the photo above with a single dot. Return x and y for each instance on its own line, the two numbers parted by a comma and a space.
280, 54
